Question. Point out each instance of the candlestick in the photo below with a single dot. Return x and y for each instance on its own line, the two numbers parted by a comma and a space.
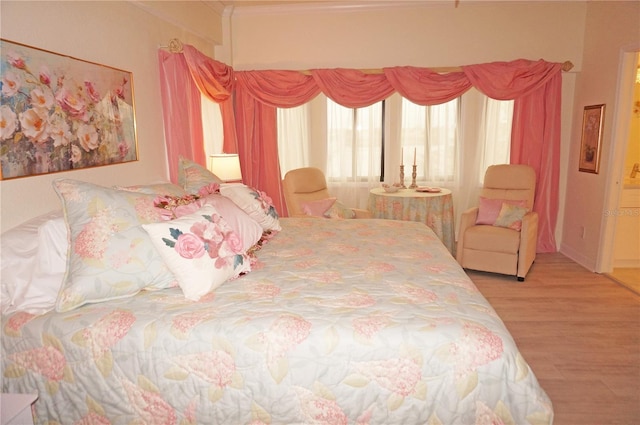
414, 174
402, 177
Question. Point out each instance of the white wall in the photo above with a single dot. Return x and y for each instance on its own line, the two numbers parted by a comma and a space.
612, 28
124, 35
408, 33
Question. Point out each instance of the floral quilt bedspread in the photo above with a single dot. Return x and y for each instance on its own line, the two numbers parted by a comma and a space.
340, 322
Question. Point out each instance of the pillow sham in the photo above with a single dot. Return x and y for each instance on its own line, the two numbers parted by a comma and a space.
255, 203
110, 255
200, 249
317, 208
338, 210
489, 209
510, 216
193, 176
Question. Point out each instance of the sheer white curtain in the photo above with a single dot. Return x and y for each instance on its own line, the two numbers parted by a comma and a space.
429, 137
453, 143
354, 152
293, 138
212, 128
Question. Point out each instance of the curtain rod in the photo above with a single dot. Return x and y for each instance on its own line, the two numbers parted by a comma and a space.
175, 46
566, 66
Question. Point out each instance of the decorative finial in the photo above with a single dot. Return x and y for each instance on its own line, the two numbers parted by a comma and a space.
175, 45
567, 66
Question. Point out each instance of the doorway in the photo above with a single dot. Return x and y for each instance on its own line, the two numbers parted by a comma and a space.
620, 256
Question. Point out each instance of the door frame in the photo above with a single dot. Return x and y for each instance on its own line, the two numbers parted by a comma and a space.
615, 179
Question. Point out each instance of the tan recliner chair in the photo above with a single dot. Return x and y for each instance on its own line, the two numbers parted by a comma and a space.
305, 185
499, 249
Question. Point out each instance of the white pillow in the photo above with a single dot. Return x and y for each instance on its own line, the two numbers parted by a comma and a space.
19, 248
254, 202
200, 249
39, 296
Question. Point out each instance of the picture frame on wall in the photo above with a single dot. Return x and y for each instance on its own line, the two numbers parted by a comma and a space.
592, 124
60, 113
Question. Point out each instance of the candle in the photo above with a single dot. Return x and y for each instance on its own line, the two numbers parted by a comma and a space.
414, 156
402, 157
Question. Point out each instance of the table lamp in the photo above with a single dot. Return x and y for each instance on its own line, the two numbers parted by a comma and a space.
226, 166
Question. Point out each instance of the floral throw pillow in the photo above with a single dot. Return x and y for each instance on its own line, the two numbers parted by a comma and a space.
511, 216
201, 250
339, 210
193, 176
110, 254
256, 203
489, 208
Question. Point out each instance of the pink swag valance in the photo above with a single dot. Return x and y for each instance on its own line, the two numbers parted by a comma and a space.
534, 85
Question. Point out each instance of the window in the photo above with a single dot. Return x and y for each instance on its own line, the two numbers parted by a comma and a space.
454, 143
354, 142
497, 136
431, 132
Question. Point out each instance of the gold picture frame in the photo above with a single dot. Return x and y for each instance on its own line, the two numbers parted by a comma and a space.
60, 113
592, 125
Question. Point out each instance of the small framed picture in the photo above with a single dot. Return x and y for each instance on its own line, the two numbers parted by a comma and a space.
592, 124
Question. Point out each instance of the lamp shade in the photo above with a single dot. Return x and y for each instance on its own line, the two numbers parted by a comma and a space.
226, 166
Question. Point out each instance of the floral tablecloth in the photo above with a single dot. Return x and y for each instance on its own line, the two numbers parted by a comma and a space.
433, 209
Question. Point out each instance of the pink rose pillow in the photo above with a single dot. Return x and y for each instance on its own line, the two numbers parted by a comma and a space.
489, 209
200, 249
317, 208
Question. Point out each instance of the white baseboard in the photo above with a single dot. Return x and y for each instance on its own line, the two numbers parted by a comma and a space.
626, 263
579, 258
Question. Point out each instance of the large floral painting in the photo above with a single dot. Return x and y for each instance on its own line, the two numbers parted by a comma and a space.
59, 113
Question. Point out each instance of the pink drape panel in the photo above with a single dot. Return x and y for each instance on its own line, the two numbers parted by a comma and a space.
215, 80
538, 145
258, 94
181, 112
257, 127
535, 137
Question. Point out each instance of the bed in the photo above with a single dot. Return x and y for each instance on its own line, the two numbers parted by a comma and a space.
362, 321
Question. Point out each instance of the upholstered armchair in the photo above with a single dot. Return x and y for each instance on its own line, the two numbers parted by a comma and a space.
309, 186
500, 235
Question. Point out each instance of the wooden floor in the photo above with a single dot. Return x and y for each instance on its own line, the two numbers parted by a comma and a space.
629, 277
580, 333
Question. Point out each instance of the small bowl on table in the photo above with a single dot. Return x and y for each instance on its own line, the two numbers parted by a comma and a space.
390, 189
